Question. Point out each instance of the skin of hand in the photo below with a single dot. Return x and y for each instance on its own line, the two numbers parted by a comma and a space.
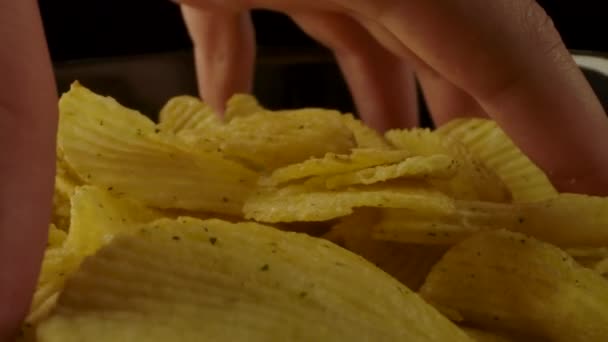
28, 119
472, 57
503, 59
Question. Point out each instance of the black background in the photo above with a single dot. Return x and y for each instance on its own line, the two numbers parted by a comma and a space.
79, 29
127, 49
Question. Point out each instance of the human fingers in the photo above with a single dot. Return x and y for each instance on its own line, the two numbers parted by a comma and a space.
445, 101
28, 117
224, 51
509, 57
382, 84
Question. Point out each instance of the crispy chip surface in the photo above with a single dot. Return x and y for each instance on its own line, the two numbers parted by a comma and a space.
274, 139
491, 145
241, 105
183, 113
473, 181
408, 263
505, 280
301, 202
568, 220
364, 136
333, 163
417, 167
192, 280
119, 149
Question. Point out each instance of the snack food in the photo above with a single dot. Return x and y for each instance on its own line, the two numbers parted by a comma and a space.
154, 234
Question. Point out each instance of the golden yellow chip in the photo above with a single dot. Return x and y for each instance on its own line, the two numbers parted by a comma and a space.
568, 220
185, 113
332, 163
473, 181
192, 280
242, 105
118, 149
274, 139
407, 226
408, 263
421, 167
479, 335
304, 203
65, 183
602, 268
56, 237
96, 217
588, 256
508, 281
492, 146
365, 136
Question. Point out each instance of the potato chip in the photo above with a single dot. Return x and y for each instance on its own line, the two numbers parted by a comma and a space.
185, 113
479, 335
242, 105
508, 281
473, 181
332, 163
118, 149
192, 280
407, 226
274, 139
96, 217
364, 136
418, 141
602, 267
422, 167
492, 146
303, 203
56, 237
408, 263
65, 183
551, 220
588, 256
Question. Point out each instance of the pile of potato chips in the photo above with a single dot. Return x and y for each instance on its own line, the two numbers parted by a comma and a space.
306, 225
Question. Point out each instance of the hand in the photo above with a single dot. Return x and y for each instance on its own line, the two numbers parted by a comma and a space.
502, 59
28, 120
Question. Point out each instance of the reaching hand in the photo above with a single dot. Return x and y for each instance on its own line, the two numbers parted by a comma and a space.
502, 59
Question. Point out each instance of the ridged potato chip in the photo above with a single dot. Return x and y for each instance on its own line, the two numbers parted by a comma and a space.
408, 263
242, 105
508, 281
365, 136
407, 226
495, 149
96, 217
119, 149
479, 335
193, 280
65, 183
473, 181
271, 140
588, 256
183, 113
301, 202
332, 163
417, 167
56, 237
568, 220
